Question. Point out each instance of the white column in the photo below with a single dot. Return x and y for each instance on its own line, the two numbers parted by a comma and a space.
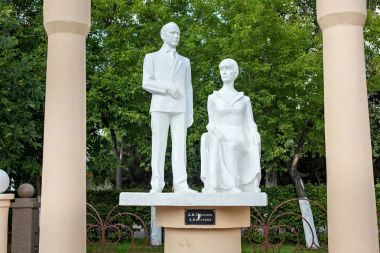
63, 202
352, 220
5, 202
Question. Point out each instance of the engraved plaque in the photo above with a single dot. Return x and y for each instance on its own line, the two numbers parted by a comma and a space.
199, 216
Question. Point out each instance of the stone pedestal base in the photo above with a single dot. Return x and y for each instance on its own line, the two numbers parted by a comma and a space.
190, 229
222, 237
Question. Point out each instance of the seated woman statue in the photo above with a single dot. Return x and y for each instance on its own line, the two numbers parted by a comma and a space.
230, 150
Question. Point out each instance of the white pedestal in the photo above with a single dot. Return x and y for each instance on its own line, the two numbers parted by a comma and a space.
231, 213
193, 199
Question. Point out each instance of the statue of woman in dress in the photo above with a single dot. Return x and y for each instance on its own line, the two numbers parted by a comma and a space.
230, 150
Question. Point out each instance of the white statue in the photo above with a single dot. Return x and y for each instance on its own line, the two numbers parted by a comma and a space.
167, 75
230, 150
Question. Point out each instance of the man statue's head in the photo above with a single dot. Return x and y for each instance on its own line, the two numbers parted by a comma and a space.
170, 34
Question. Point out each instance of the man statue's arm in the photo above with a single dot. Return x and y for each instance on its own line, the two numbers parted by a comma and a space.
153, 86
189, 97
149, 83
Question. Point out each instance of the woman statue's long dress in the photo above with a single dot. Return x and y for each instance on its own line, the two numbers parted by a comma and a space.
230, 150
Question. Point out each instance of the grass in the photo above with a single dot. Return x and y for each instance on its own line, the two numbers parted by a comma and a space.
141, 247
284, 249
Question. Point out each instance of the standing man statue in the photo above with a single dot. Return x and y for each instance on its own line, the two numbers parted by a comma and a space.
167, 76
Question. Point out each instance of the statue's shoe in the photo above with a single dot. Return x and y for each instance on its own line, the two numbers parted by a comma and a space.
155, 191
208, 190
234, 190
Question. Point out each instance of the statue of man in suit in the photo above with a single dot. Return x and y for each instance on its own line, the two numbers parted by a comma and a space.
167, 76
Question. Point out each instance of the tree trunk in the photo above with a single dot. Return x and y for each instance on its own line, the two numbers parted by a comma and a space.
118, 180
155, 230
306, 212
118, 153
296, 177
271, 179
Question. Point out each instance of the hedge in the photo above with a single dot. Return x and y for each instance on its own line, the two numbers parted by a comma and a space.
104, 200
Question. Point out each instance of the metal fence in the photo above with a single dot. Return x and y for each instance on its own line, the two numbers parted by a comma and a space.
117, 232
271, 231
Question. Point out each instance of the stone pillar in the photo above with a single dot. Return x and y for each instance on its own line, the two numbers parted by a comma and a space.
25, 225
352, 222
63, 200
5, 202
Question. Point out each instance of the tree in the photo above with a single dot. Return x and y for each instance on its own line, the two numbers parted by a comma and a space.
22, 77
371, 32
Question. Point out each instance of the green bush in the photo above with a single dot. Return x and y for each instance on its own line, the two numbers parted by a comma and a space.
283, 209
105, 203
104, 200
277, 195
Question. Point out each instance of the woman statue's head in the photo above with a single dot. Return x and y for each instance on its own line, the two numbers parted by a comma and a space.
229, 70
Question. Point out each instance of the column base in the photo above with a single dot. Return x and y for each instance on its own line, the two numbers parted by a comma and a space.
182, 240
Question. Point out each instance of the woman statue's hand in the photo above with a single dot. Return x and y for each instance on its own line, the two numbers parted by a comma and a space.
217, 134
214, 131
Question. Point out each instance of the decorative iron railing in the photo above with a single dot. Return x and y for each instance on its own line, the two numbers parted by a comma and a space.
117, 233
268, 233
271, 231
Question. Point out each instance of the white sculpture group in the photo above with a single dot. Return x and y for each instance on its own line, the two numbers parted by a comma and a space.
230, 150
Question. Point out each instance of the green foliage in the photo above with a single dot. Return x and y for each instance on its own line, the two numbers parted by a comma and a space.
22, 77
277, 195
374, 112
371, 33
104, 200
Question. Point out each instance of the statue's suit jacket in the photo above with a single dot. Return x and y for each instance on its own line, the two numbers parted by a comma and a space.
158, 72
